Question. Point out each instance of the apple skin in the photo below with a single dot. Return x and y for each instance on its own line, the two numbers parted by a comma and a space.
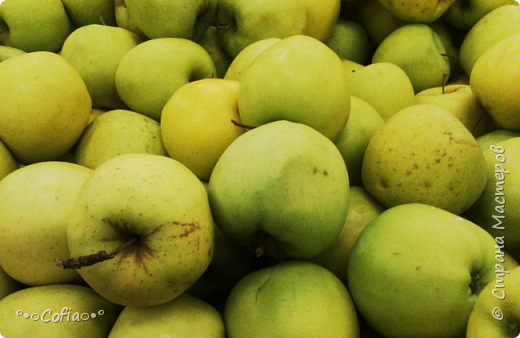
424, 264
8, 163
244, 59
34, 25
350, 41
482, 322
495, 137
420, 11
285, 82
53, 129
464, 14
424, 154
163, 206
290, 299
9, 52
83, 13
209, 41
8, 285
124, 20
377, 21
282, 188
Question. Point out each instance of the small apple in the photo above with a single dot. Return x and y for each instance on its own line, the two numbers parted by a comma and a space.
377, 21
350, 41
420, 11
487, 140
464, 14
9, 52
83, 13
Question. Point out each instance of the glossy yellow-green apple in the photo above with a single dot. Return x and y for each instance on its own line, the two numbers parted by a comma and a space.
187, 19
82, 13
45, 106
377, 21
9, 52
157, 213
118, 132
290, 299
422, 11
151, 72
499, 97
244, 59
496, 136
362, 210
424, 154
497, 310
221, 59
282, 189
459, 100
57, 311
243, 22
463, 14
353, 140
8, 163
417, 270
384, 86
124, 20
298, 79
493, 27
8, 285
350, 41
36, 201
196, 132
33, 25
95, 51
497, 210
418, 50
185, 316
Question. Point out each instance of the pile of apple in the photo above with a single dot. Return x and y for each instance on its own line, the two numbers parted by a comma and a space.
249, 169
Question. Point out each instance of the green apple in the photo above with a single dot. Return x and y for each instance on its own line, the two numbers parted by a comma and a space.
185, 316
281, 188
95, 113
450, 40
377, 21
298, 79
57, 311
83, 13
384, 86
418, 50
37, 199
124, 20
9, 52
33, 25
350, 41
417, 270
151, 72
8, 285
353, 140
424, 154
464, 14
362, 210
497, 310
490, 211
420, 11
209, 41
196, 132
496, 136
8, 163
118, 132
459, 100
244, 59
156, 212
242, 22
95, 51
499, 97
290, 299
62, 100
493, 27
187, 19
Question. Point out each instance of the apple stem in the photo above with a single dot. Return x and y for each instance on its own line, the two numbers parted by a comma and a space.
448, 55
476, 124
223, 26
101, 19
238, 124
88, 260
260, 250
443, 84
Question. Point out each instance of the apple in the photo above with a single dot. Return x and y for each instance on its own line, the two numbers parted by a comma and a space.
60, 95
187, 19
424, 154
290, 299
60, 310
118, 132
196, 132
417, 270
209, 41
149, 74
298, 79
154, 214
95, 113
384, 86
377, 21
124, 20
420, 11
282, 189
497, 310
418, 50
493, 27
496, 136
9, 52
464, 14
95, 51
34, 25
350, 41
8, 163
83, 13
499, 61
451, 41
351, 66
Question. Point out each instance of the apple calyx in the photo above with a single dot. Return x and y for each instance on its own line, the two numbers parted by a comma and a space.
245, 126
475, 285
221, 26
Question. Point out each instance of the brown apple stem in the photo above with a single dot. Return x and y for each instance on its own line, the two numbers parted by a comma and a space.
448, 55
443, 84
260, 250
476, 124
101, 19
224, 25
238, 124
88, 260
